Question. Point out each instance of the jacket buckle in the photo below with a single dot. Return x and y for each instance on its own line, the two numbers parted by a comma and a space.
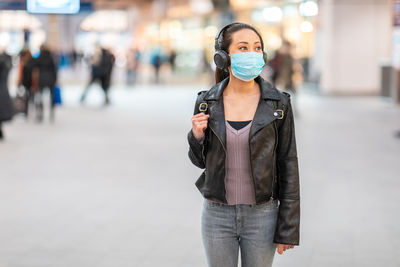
203, 107
280, 113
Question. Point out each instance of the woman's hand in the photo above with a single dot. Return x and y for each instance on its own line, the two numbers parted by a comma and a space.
282, 247
199, 124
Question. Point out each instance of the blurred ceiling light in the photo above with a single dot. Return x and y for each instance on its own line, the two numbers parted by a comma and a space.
308, 9
290, 11
4, 39
201, 6
257, 15
272, 14
106, 20
306, 26
18, 20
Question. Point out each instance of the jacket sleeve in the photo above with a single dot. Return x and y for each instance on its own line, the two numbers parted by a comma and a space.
196, 146
288, 223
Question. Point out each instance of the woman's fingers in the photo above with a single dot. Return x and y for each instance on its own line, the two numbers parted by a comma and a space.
201, 125
200, 117
201, 114
199, 120
204, 117
283, 247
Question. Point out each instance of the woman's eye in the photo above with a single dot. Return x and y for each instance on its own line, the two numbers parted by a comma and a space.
242, 48
258, 48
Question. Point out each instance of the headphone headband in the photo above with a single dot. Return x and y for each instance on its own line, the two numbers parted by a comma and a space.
218, 42
218, 39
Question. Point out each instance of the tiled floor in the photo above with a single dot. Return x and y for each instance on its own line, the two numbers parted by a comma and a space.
114, 186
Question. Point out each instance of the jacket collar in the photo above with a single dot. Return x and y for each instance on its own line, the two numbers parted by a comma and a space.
267, 90
263, 116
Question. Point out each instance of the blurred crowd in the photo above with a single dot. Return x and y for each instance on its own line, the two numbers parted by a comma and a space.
38, 88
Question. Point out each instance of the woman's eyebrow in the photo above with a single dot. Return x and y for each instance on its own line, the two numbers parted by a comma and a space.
243, 42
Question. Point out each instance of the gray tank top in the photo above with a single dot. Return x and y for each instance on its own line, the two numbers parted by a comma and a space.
238, 181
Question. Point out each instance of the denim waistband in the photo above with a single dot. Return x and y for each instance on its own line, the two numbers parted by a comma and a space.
271, 201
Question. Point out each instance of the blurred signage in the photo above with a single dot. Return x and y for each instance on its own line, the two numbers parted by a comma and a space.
12, 5
53, 6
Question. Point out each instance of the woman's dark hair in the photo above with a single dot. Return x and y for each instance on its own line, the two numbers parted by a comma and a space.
226, 40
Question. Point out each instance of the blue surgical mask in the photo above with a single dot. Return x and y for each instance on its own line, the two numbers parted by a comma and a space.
247, 65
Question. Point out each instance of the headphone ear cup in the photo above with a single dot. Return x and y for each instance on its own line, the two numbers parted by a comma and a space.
221, 59
265, 56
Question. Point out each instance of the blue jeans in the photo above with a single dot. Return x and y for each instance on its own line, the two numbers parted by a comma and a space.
226, 228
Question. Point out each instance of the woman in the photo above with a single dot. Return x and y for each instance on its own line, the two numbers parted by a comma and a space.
243, 136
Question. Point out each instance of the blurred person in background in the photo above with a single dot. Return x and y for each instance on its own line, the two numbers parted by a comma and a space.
102, 63
251, 189
107, 64
284, 68
74, 58
95, 74
156, 62
46, 72
172, 57
25, 71
6, 105
282, 65
133, 60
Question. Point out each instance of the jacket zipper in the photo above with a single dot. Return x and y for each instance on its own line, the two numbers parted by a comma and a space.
251, 171
202, 153
274, 163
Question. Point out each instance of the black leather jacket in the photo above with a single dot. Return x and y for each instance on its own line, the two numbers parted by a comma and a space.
273, 155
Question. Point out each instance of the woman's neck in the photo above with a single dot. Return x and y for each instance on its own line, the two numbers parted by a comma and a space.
237, 87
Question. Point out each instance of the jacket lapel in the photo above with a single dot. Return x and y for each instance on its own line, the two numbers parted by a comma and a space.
263, 116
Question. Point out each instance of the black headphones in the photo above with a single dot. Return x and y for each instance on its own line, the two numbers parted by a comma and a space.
221, 57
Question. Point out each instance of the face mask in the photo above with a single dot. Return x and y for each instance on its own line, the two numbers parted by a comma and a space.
247, 65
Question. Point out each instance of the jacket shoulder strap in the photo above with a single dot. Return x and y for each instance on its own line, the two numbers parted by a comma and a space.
279, 108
